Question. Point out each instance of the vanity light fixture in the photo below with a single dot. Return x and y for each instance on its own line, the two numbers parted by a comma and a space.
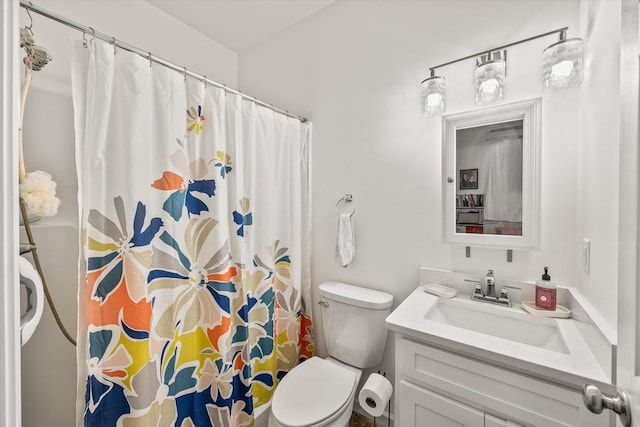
489, 77
562, 62
433, 95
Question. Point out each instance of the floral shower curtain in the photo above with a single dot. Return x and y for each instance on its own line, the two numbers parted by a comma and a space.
194, 211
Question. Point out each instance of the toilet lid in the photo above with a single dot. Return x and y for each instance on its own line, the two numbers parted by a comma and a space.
313, 391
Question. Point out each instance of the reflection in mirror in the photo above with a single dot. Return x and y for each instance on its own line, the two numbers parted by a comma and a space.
489, 170
491, 176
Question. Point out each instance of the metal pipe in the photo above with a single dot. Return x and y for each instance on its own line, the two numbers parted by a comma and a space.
33, 248
29, 6
484, 52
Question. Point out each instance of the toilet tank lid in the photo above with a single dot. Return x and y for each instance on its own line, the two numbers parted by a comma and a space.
356, 295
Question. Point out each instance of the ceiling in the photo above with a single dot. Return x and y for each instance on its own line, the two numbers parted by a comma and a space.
240, 24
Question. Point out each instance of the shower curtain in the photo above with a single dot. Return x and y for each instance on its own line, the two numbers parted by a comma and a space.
503, 185
194, 269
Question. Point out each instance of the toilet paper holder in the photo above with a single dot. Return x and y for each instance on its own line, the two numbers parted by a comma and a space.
375, 394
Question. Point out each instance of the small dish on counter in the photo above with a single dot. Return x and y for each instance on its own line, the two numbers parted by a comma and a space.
440, 290
561, 311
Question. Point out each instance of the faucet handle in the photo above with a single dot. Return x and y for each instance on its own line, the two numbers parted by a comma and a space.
504, 296
478, 290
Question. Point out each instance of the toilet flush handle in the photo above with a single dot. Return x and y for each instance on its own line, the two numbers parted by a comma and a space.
323, 304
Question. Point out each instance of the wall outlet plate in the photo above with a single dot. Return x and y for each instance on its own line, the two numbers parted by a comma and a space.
586, 255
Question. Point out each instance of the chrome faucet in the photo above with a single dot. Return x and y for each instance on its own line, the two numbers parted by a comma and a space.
491, 296
491, 284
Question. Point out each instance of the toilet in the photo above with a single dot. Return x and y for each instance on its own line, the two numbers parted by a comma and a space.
321, 392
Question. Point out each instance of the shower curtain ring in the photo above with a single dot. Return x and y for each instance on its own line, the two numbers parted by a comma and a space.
204, 80
84, 40
30, 17
150, 60
115, 44
185, 74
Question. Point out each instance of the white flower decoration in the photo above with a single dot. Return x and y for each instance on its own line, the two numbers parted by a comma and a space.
38, 191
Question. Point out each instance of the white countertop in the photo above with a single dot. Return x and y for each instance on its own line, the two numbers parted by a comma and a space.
570, 370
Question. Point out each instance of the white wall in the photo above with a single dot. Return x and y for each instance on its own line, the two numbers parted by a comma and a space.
354, 69
135, 22
48, 360
598, 155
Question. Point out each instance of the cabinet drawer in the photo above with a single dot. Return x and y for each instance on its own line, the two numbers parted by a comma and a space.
469, 217
492, 389
423, 408
491, 421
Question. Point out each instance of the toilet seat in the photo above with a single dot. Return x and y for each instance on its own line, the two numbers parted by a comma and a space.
312, 392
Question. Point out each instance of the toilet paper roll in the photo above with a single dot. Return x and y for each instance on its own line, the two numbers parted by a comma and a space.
375, 394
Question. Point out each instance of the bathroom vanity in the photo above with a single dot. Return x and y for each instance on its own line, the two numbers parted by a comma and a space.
470, 363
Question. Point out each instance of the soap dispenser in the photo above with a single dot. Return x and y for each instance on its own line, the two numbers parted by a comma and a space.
546, 292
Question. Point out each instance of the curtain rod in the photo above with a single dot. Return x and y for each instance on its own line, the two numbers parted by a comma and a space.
29, 6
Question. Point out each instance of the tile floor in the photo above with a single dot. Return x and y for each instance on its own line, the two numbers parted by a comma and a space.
359, 420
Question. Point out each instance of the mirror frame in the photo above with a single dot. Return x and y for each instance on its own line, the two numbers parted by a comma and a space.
530, 112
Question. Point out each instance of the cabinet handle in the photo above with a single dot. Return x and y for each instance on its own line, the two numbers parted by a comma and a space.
450, 180
596, 401
323, 304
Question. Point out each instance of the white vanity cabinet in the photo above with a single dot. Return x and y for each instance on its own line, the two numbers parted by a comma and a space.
438, 388
491, 421
421, 407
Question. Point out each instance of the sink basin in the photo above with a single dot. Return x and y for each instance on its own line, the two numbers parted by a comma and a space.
499, 322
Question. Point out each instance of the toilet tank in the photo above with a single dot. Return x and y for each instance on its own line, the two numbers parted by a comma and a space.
353, 323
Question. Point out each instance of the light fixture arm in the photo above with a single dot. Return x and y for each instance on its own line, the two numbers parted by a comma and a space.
562, 31
562, 67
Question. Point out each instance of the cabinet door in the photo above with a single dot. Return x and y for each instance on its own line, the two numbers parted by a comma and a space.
491, 421
423, 408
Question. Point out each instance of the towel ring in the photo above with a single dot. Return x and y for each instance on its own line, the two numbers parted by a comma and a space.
347, 199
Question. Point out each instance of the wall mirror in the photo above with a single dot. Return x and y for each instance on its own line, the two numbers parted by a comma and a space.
491, 185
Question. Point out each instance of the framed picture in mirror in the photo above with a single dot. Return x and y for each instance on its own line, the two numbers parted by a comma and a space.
468, 179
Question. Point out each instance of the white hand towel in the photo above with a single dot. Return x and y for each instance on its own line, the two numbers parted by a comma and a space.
346, 240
